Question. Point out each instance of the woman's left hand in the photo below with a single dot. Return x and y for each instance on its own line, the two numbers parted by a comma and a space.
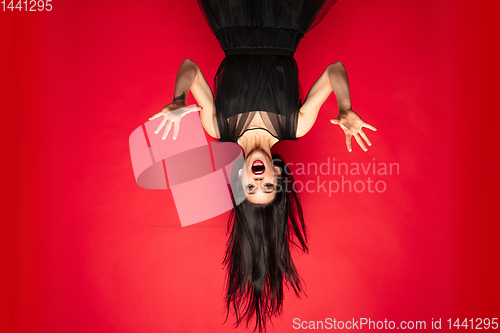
353, 125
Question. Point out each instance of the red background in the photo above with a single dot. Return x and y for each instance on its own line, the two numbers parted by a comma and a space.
87, 250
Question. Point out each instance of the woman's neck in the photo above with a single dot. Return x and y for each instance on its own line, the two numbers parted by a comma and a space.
257, 139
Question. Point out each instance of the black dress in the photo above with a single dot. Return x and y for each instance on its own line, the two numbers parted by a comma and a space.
259, 76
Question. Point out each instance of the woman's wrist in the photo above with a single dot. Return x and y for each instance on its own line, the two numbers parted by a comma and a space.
344, 109
180, 99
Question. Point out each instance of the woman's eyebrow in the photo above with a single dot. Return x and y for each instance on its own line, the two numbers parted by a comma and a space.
269, 191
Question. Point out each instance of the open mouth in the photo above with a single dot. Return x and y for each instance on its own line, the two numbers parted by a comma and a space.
258, 167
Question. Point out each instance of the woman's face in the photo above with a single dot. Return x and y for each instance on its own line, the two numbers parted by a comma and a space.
259, 177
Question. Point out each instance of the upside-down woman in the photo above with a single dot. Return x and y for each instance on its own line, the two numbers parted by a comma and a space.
256, 105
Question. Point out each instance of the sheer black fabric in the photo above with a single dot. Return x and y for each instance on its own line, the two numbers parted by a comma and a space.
257, 82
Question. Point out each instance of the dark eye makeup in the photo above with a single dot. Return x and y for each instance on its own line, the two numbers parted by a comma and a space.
268, 188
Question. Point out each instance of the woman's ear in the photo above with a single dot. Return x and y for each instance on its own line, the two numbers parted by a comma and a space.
278, 171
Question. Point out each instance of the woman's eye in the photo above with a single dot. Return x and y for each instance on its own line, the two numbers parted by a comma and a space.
268, 185
250, 187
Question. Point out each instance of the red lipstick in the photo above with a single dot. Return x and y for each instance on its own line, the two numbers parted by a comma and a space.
258, 167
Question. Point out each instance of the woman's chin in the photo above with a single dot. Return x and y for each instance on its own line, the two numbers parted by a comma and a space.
257, 154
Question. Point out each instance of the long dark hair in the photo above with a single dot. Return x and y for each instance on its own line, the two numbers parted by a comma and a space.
258, 256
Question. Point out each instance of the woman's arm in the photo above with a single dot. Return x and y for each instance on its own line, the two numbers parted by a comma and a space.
334, 78
190, 78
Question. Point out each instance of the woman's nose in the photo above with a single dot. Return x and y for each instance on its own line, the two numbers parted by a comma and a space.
257, 178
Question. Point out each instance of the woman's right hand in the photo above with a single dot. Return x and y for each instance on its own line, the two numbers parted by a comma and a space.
173, 113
